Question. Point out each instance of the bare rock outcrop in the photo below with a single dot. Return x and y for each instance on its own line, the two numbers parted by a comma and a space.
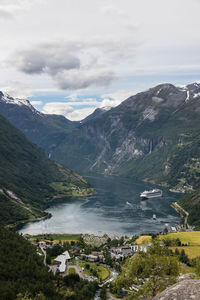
188, 289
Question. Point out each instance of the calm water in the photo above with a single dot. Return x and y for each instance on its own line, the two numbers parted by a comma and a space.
116, 208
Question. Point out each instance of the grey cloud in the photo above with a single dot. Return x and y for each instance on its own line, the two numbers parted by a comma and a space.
45, 60
75, 64
5, 14
80, 79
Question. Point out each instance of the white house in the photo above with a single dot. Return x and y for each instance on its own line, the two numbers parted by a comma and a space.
61, 261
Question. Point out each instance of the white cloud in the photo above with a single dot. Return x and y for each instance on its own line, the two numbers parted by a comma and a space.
75, 109
114, 99
18, 89
36, 103
52, 39
65, 109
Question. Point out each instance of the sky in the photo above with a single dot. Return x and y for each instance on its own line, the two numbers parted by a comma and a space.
70, 57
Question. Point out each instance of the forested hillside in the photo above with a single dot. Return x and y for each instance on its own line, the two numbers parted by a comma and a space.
28, 179
22, 269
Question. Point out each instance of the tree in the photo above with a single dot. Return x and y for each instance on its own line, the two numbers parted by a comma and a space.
165, 231
184, 258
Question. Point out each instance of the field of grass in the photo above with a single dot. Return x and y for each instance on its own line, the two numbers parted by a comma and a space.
191, 251
191, 238
72, 271
55, 238
102, 272
143, 239
183, 269
72, 190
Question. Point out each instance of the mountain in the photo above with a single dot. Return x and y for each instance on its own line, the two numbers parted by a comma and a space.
96, 114
191, 203
40, 128
28, 179
153, 135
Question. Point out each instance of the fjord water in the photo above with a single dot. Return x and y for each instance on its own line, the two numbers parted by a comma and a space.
117, 208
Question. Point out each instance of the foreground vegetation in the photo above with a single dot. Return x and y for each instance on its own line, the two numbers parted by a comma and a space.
191, 203
24, 276
99, 271
22, 269
146, 274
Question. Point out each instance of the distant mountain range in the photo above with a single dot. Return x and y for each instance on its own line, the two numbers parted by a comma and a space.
28, 179
153, 136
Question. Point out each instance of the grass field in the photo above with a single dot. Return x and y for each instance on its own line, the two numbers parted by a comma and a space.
55, 238
183, 269
191, 251
102, 272
143, 239
191, 238
72, 271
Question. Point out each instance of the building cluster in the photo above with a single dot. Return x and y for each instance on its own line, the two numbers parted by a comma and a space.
93, 257
127, 250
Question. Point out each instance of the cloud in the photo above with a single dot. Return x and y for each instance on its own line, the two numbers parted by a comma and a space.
46, 60
77, 108
36, 103
65, 109
80, 79
74, 65
9, 8
114, 99
18, 89
111, 10
4, 14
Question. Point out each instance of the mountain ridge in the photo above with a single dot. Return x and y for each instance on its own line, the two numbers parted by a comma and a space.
144, 137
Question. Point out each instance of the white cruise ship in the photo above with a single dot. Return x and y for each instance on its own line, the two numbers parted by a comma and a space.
151, 194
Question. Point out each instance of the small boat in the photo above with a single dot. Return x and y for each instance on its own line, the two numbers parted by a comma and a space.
154, 217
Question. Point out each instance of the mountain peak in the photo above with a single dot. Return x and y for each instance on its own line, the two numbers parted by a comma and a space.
4, 97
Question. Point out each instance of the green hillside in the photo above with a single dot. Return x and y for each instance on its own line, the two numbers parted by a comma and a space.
191, 203
22, 270
28, 179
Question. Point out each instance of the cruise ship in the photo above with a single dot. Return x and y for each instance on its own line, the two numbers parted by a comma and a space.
151, 194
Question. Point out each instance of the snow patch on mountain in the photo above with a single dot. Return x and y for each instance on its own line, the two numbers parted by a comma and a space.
196, 95
17, 101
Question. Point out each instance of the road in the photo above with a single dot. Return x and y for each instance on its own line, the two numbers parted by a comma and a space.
45, 255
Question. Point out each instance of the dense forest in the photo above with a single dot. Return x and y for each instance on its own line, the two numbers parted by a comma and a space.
24, 276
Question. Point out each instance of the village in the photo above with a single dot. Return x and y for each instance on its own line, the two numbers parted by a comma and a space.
92, 257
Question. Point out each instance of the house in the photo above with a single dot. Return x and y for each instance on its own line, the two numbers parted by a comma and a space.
127, 250
90, 257
61, 261
42, 244
121, 252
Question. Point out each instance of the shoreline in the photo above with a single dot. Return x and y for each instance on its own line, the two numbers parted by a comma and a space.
48, 215
14, 226
182, 212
